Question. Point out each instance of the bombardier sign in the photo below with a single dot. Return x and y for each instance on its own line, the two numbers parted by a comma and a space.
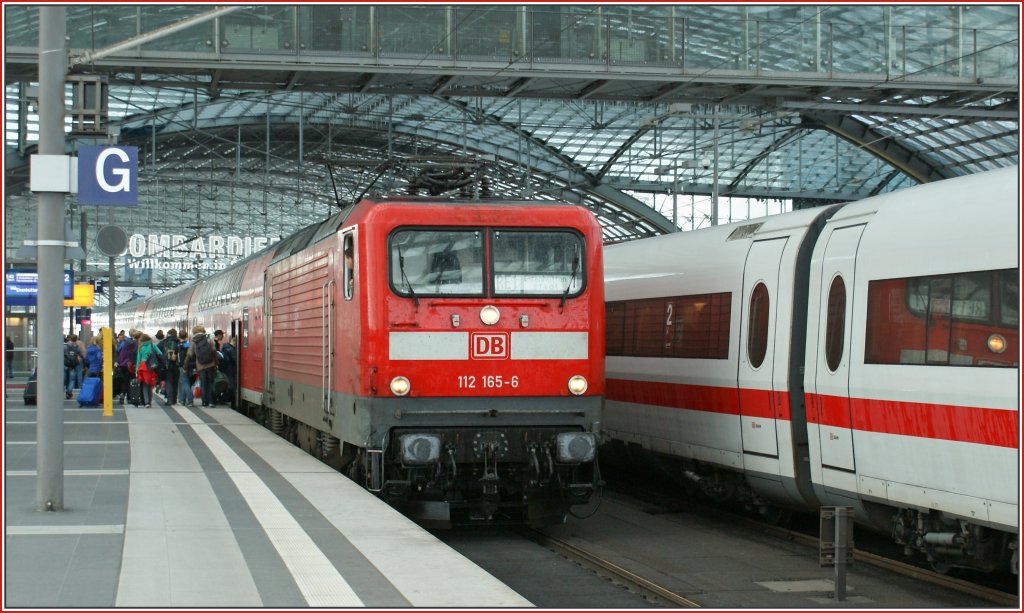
108, 175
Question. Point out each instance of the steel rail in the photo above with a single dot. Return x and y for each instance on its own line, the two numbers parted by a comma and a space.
595, 562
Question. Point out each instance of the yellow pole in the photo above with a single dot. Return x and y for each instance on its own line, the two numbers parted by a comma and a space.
108, 372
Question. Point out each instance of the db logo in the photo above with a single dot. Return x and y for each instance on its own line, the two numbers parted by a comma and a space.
489, 346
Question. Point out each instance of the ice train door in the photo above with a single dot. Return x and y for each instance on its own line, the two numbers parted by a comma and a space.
832, 370
757, 347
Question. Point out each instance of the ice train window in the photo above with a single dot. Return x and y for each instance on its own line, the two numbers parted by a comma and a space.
961, 319
835, 323
757, 326
695, 326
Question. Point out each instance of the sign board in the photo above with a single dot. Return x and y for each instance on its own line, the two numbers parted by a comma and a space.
83, 296
21, 286
108, 175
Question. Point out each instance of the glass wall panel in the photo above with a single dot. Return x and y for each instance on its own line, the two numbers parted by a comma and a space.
568, 34
198, 38
791, 46
414, 31
485, 32
639, 34
98, 26
335, 28
719, 42
21, 26
267, 29
998, 54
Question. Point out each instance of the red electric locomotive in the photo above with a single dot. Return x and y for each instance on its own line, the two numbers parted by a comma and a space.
448, 356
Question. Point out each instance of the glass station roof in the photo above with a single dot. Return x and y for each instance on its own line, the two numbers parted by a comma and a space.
257, 121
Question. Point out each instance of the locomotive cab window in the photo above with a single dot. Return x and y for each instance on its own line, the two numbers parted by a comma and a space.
348, 256
432, 262
537, 263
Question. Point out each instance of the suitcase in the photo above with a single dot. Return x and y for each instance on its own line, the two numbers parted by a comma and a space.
135, 392
91, 392
220, 383
30, 389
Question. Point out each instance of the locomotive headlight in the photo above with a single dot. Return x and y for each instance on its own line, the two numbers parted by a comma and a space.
576, 447
996, 343
400, 386
420, 448
577, 384
489, 315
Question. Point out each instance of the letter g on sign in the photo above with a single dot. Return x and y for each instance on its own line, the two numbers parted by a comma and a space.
124, 184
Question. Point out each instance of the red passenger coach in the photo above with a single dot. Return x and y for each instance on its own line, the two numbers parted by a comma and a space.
447, 355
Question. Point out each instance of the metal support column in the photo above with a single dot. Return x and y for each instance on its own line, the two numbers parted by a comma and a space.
50, 255
835, 544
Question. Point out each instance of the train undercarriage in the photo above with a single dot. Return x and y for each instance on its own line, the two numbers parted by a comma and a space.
941, 541
445, 477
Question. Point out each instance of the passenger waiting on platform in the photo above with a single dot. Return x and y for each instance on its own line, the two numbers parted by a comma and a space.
147, 361
229, 366
203, 356
218, 339
9, 362
80, 369
72, 363
169, 347
184, 375
94, 357
126, 354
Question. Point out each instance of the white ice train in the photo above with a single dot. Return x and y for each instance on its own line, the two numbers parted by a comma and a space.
863, 355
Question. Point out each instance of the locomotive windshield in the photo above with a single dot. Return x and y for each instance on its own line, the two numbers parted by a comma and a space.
432, 262
537, 263
437, 262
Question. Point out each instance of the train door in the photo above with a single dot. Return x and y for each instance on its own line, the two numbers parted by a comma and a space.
757, 347
832, 371
236, 376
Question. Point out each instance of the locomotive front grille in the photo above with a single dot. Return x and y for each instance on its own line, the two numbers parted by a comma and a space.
515, 445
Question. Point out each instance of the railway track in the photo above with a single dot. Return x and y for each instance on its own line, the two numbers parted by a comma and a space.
647, 588
993, 595
666, 597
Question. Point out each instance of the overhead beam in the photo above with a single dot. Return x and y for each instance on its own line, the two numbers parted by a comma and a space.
442, 84
592, 88
881, 145
91, 56
517, 86
897, 110
365, 79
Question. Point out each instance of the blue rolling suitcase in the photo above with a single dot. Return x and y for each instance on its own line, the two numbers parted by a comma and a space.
91, 392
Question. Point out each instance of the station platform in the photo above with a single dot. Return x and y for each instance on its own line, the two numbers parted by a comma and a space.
191, 507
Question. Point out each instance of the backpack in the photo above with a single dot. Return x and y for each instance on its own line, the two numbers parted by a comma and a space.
204, 352
126, 355
71, 355
155, 362
170, 349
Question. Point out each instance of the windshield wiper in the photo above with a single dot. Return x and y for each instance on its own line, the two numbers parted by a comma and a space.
401, 268
572, 279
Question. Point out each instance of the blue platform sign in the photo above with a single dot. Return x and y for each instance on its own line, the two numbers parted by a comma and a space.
108, 175
21, 286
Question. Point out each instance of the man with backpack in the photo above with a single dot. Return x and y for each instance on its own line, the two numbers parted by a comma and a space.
169, 348
203, 357
72, 364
